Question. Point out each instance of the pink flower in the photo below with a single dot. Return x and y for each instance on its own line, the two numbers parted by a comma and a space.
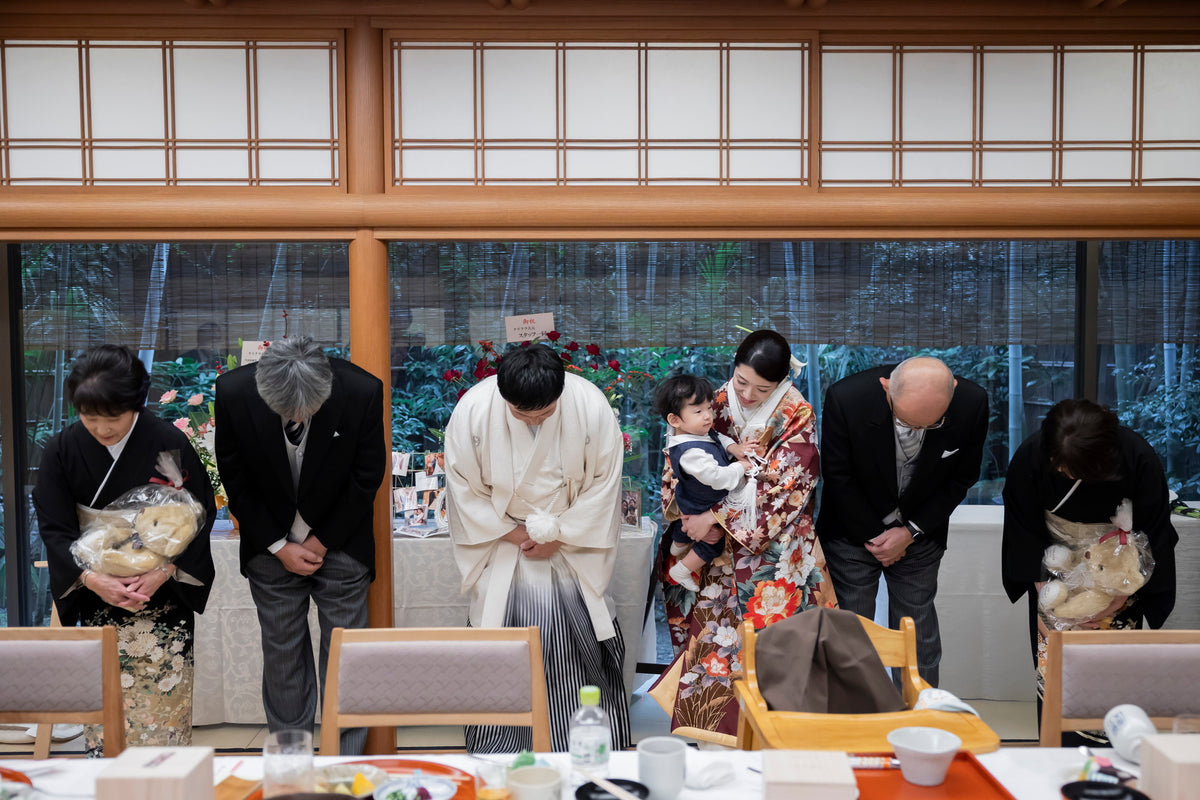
628, 442
553, 336
168, 396
195, 400
182, 424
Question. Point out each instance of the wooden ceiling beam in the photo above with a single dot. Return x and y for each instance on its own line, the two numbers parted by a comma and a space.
630, 209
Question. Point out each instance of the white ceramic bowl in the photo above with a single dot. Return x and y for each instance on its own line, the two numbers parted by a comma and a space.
925, 753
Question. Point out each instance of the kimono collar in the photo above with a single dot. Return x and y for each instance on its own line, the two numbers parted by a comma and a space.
743, 419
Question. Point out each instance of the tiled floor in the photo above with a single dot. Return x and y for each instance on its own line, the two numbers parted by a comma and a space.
1015, 722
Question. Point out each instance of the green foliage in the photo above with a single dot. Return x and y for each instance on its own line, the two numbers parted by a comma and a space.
1167, 413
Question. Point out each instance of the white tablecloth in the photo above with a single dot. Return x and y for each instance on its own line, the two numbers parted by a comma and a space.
985, 639
425, 588
1028, 773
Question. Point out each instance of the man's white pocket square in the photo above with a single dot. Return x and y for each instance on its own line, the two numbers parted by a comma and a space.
336, 435
948, 453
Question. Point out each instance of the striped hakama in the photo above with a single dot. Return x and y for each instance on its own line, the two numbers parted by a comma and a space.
546, 594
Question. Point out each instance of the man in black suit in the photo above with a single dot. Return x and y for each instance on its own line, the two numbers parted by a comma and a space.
899, 450
300, 447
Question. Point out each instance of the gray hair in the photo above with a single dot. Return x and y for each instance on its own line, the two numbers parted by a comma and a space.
294, 378
924, 373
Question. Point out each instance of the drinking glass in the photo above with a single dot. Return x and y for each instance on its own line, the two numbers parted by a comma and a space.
1186, 723
491, 779
287, 763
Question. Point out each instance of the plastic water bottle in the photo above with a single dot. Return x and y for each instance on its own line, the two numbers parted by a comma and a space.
1125, 726
590, 738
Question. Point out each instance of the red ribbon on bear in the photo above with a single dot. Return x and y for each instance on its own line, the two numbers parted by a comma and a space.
1123, 536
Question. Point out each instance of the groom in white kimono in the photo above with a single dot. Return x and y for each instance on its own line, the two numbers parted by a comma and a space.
533, 471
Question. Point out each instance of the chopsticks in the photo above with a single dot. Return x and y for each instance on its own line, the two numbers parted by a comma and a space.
608, 786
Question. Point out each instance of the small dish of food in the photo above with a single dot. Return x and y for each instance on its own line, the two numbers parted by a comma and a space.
352, 780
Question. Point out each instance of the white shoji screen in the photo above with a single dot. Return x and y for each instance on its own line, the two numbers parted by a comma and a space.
990, 115
611, 113
169, 112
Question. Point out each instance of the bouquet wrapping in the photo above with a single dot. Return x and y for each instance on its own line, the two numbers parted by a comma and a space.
1087, 576
145, 528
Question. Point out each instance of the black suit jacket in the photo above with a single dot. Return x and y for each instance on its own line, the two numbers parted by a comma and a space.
858, 460
343, 465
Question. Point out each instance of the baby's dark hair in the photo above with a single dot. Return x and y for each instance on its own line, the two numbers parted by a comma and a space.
677, 391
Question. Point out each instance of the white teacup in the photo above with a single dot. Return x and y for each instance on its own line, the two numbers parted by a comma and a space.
535, 783
662, 765
925, 753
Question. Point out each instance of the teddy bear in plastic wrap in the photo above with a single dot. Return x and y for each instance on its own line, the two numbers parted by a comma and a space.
1088, 578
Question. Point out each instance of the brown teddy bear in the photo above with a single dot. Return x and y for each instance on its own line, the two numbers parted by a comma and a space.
166, 529
112, 549
1088, 579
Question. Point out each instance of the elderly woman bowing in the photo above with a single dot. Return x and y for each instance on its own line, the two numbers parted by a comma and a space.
112, 448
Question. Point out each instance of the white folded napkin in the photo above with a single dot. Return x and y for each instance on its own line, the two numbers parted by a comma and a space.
941, 700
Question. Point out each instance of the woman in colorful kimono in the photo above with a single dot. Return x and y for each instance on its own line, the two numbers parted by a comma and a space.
772, 566
113, 448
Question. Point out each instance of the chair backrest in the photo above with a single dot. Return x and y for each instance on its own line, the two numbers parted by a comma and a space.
63, 675
435, 676
760, 727
1089, 672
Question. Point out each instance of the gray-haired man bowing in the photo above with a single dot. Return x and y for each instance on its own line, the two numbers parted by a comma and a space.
300, 448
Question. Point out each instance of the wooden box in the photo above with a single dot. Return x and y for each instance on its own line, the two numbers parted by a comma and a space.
1170, 766
807, 775
158, 773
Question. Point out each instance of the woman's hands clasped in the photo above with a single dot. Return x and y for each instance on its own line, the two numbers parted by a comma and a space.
131, 593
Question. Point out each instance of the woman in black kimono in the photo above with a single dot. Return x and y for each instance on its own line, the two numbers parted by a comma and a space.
111, 449
1063, 486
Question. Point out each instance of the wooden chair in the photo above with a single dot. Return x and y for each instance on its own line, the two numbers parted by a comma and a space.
435, 676
1089, 672
45, 731
63, 675
759, 727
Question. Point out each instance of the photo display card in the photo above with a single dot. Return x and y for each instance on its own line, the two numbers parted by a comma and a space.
418, 486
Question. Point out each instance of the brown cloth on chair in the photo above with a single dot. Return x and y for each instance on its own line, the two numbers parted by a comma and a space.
822, 661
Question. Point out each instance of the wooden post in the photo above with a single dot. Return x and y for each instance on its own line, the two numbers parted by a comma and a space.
370, 333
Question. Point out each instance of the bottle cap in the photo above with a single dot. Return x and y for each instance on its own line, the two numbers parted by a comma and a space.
589, 695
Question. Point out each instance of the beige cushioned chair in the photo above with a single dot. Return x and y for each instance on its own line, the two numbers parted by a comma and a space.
1089, 672
63, 675
435, 676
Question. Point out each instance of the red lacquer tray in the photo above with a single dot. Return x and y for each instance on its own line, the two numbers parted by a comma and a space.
400, 767
966, 778
14, 776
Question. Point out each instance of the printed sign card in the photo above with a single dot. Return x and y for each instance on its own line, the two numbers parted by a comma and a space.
527, 327
252, 351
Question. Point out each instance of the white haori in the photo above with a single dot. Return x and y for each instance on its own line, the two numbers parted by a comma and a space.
499, 473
